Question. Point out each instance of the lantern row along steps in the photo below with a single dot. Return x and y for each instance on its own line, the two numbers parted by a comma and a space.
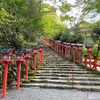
21, 56
61, 74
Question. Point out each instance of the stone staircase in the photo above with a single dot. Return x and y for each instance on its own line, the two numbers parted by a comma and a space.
61, 74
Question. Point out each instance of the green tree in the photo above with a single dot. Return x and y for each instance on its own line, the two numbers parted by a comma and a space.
92, 5
51, 22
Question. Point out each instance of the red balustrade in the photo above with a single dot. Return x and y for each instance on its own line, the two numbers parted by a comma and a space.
76, 49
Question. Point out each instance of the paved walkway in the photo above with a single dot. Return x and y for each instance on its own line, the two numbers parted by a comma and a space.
50, 94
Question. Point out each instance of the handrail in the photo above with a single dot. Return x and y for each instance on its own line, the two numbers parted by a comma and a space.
73, 52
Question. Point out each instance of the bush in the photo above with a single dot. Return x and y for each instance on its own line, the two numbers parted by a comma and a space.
78, 38
94, 53
66, 37
57, 36
84, 51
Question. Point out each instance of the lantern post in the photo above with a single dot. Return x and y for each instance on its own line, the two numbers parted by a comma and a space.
73, 46
27, 56
6, 59
79, 48
35, 52
69, 50
89, 50
19, 60
65, 46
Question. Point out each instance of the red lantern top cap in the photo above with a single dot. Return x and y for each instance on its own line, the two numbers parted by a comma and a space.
7, 51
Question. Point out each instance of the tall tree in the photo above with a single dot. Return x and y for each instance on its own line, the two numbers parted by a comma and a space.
51, 21
22, 19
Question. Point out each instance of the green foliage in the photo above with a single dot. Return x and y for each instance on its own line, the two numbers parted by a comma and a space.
94, 53
84, 51
18, 18
65, 7
20, 25
4, 17
96, 28
65, 36
51, 22
12, 71
95, 50
92, 5
57, 36
78, 38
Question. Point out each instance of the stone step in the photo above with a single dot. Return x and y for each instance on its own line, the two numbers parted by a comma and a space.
74, 69
59, 71
48, 66
58, 65
70, 77
67, 81
67, 74
60, 86
68, 64
61, 68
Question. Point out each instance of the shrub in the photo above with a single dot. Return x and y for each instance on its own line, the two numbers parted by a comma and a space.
84, 51
66, 37
78, 38
57, 36
94, 53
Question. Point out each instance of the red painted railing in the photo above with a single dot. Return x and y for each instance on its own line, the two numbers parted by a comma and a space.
73, 52
21, 56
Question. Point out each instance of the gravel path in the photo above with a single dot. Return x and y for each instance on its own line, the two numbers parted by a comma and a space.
49, 94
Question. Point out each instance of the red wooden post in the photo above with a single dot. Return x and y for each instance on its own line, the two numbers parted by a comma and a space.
5, 80
57, 47
69, 53
85, 60
65, 47
18, 75
79, 46
6, 59
73, 47
35, 51
89, 50
27, 67
90, 62
35, 63
27, 57
19, 60
79, 57
74, 54
40, 56
95, 63
65, 52
62, 46
53, 45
